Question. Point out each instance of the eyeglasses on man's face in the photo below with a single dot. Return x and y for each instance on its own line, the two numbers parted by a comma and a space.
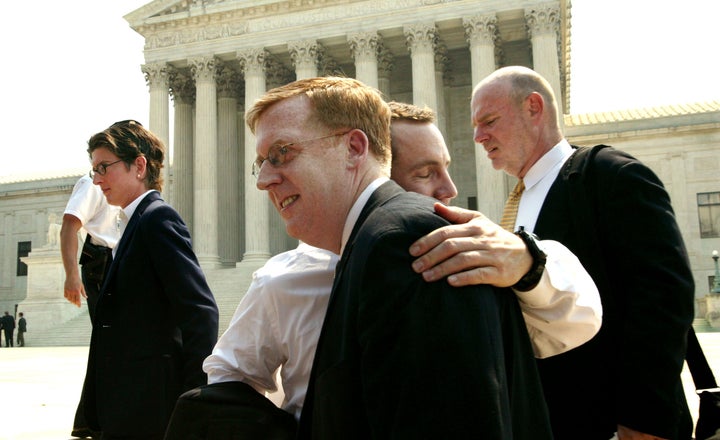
101, 168
279, 155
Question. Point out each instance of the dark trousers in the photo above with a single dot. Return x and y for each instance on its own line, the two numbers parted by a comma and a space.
21, 339
95, 261
9, 337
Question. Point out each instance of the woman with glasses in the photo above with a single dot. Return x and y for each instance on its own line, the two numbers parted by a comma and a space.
156, 319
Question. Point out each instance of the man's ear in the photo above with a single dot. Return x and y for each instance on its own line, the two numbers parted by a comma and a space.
358, 147
535, 104
141, 164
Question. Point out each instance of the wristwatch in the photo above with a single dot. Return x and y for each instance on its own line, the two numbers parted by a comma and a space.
532, 278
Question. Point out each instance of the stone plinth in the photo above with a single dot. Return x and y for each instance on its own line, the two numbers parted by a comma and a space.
712, 310
45, 300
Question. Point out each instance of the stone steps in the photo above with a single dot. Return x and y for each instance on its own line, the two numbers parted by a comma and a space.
227, 284
73, 333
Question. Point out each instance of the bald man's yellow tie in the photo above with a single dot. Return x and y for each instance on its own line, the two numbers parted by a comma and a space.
511, 207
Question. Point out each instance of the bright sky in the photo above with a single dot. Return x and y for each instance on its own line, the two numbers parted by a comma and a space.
78, 69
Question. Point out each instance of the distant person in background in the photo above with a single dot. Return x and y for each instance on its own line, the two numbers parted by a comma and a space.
87, 209
22, 328
8, 326
156, 319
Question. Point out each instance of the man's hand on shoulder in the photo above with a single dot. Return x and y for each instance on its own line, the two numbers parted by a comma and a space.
473, 250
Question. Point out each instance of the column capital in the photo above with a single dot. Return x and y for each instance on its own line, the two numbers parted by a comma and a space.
364, 44
228, 82
543, 19
205, 68
481, 29
253, 61
442, 62
305, 52
182, 87
420, 36
277, 73
157, 74
386, 62
328, 66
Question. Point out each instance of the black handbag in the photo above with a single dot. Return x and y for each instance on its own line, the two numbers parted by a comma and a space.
708, 424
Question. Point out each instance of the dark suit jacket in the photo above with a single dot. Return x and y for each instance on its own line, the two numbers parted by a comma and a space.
614, 214
155, 322
401, 358
7, 322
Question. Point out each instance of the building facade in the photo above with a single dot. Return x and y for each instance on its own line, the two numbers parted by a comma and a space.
206, 61
211, 59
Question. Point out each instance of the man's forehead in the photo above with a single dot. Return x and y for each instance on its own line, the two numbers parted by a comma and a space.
295, 105
419, 138
284, 121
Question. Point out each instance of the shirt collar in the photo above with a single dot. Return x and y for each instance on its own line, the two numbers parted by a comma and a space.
357, 208
557, 155
129, 210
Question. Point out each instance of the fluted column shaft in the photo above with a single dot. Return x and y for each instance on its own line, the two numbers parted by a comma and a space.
242, 171
228, 163
183, 92
481, 34
543, 25
157, 76
364, 49
257, 234
205, 203
421, 40
441, 66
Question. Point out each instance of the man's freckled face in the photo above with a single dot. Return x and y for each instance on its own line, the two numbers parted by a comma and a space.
303, 190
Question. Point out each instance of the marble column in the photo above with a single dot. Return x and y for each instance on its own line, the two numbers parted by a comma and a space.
421, 40
277, 74
386, 64
304, 55
242, 171
157, 76
205, 175
441, 75
364, 49
543, 23
482, 36
182, 88
228, 164
257, 233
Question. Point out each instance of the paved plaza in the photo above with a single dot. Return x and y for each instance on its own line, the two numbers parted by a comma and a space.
40, 387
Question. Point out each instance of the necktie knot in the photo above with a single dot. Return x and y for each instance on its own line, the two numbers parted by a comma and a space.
511, 207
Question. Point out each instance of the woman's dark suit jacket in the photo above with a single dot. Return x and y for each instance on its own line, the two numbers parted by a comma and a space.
155, 322
402, 358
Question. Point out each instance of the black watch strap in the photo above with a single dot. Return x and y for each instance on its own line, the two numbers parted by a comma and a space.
532, 278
